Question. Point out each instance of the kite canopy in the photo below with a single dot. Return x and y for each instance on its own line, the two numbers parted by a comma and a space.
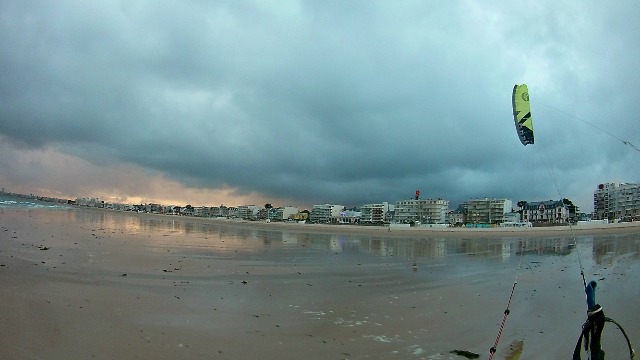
522, 114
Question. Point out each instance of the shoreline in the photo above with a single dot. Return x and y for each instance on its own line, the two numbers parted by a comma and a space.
413, 232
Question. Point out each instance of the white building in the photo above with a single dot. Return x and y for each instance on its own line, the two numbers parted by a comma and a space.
347, 217
551, 211
324, 213
248, 212
374, 213
511, 217
617, 202
283, 213
423, 211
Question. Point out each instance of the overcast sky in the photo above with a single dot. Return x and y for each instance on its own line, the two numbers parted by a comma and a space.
313, 102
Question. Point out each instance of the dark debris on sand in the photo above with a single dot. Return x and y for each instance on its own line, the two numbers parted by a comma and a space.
465, 353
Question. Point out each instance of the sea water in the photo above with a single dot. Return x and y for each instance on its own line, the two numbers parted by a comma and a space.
14, 202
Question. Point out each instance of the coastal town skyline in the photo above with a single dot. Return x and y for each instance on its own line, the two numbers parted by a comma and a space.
302, 102
97, 202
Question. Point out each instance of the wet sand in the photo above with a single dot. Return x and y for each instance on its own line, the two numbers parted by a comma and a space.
86, 284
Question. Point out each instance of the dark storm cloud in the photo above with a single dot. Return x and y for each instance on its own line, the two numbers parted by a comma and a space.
337, 102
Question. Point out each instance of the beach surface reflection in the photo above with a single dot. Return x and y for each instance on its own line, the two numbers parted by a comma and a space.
98, 284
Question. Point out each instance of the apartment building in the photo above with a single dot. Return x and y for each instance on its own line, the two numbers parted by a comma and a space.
374, 213
325, 212
614, 201
424, 211
248, 212
221, 211
283, 213
487, 211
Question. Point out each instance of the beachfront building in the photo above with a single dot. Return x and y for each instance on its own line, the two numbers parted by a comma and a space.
549, 212
283, 213
374, 213
486, 211
325, 213
154, 208
347, 217
619, 202
456, 217
248, 212
90, 202
301, 216
187, 210
200, 211
220, 211
206, 211
422, 211
511, 217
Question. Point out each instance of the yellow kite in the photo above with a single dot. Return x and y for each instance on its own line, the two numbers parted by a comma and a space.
522, 114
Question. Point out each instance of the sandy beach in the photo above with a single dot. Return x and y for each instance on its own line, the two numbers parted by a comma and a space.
97, 284
577, 230
471, 232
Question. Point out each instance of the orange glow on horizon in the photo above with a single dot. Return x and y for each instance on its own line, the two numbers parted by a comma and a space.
49, 172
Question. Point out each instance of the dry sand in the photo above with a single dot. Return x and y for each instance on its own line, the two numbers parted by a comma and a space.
91, 284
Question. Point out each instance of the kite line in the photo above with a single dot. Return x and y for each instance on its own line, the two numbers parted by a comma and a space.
593, 327
625, 142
